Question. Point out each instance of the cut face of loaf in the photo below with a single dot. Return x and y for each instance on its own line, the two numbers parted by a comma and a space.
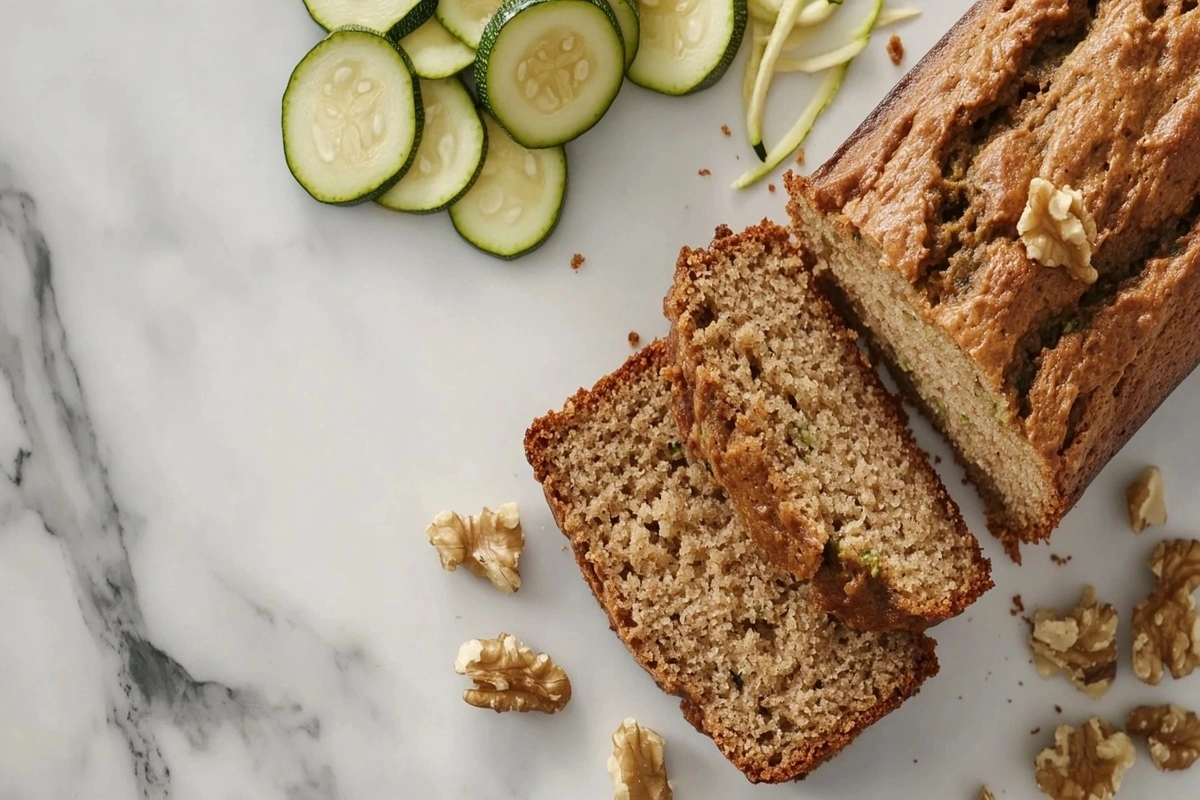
1036, 376
775, 395
778, 685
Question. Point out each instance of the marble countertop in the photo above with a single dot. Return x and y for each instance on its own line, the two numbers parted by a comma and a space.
228, 413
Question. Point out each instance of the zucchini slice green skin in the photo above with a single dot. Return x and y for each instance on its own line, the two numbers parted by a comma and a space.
516, 202
391, 18
626, 12
351, 117
658, 66
435, 53
548, 70
451, 155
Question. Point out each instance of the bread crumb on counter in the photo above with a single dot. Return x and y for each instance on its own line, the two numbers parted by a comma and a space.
725, 130
1018, 605
771, 188
577, 261
800, 156
1061, 561
895, 49
634, 339
704, 173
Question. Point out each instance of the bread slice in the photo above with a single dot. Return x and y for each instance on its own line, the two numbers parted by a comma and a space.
1037, 378
815, 455
778, 685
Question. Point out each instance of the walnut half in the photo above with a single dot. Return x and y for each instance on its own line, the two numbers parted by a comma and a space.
508, 676
1147, 500
1173, 735
1081, 643
636, 764
1058, 230
489, 545
1166, 629
1086, 763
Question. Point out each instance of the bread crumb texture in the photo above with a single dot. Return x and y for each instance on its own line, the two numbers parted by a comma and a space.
895, 49
577, 261
812, 450
777, 684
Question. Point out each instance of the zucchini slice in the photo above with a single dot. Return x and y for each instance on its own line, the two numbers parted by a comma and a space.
394, 18
453, 146
548, 70
435, 53
626, 12
515, 204
466, 19
352, 117
686, 45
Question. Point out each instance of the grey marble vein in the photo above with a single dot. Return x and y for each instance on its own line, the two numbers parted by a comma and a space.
61, 477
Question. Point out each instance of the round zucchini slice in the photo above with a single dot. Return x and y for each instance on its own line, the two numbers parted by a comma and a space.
394, 18
466, 19
435, 53
686, 45
626, 12
453, 146
352, 117
548, 70
514, 205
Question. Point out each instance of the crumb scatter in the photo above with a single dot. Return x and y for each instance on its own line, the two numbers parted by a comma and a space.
577, 261
704, 173
895, 49
725, 130
634, 339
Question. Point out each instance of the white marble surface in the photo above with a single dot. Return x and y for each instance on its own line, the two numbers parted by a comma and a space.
227, 414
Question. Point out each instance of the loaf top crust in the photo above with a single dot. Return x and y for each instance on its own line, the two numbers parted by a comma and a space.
1101, 96
779, 685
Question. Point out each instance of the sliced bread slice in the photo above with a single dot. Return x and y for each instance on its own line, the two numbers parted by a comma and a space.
779, 685
815, 455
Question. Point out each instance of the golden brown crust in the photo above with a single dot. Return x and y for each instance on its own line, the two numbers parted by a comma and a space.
540, 436
1104, 97
711, 424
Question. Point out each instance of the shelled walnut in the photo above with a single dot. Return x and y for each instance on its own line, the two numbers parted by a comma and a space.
1172, 734
1147, 500
508, 676
1081, 643
1086, 763
1058, 230
636, 764
489, 545
1166, 629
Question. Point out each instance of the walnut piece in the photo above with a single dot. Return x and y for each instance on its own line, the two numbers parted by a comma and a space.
508, 676
636, 764
1058, 231
1082, 644
1166, 629
1173, 735
1147, 500
489, 545
1086, 763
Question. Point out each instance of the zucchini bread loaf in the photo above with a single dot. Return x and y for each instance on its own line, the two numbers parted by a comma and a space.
772, 392
1016, 226
779, 685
